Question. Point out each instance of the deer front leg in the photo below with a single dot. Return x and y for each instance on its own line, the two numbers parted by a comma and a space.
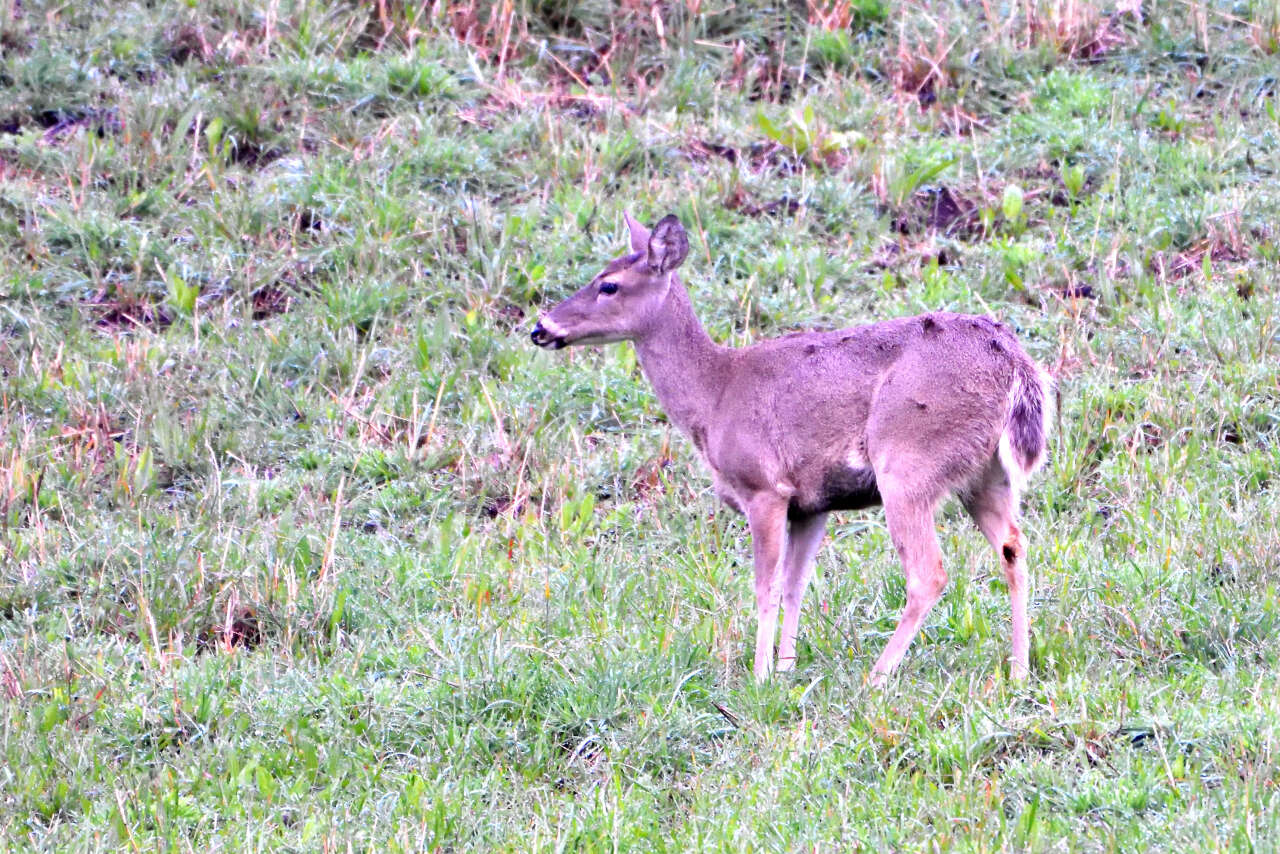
803, 538
767, 518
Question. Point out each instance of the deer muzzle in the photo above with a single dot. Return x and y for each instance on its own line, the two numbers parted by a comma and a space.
547, 334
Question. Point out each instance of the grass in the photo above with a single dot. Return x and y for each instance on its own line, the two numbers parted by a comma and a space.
303, 546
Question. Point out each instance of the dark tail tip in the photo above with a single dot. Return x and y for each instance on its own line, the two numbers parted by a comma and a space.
1027, 430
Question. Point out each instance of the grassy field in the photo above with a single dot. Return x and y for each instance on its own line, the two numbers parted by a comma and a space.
303, 546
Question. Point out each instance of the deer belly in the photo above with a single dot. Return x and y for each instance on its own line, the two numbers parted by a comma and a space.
841, 488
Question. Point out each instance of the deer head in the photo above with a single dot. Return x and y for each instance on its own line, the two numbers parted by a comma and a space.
625, 299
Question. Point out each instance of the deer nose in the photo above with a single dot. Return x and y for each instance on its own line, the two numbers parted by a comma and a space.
543, 338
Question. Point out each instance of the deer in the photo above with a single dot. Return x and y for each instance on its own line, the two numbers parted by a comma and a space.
902, 413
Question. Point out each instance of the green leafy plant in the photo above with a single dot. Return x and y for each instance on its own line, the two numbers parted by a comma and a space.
804, 133
180, 295
903, 183
1011, 206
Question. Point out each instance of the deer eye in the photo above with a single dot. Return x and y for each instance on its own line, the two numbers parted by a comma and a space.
608, 287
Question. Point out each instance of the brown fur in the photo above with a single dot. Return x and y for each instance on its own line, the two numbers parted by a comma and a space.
902, 412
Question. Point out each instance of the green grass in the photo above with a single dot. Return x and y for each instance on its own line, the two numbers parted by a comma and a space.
304, 546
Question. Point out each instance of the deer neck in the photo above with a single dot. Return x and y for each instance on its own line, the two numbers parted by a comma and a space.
686, 368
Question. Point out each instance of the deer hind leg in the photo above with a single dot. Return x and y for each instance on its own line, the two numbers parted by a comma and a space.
803, 539
911, 528
994, 507
767, 518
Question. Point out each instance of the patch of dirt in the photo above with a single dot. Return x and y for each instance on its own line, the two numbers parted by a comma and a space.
1245, 287
765, 156
1080, 31
765, 76
1178, 265
941, 210
774, 157
508, 316
1226, 243
648, 482
701, 150
495, 37
584, 107
918, 76
461, 244
129, 313
278, 296
190, 42
741, 201
268, 301
956, 121
309, 220
885, 257
238, 627
89, 438
1077, 291
1044, 178
11, 33
255, 154
494, 506
1091, 745
9, 680
906, 255
1145, 438
60, 124
774, 81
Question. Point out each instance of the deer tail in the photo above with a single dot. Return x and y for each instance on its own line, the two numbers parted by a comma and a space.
1025, 439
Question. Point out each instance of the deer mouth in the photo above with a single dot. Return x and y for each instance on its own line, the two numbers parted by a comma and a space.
544, 337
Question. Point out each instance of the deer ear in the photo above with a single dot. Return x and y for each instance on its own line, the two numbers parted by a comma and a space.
639, 234
668, 245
